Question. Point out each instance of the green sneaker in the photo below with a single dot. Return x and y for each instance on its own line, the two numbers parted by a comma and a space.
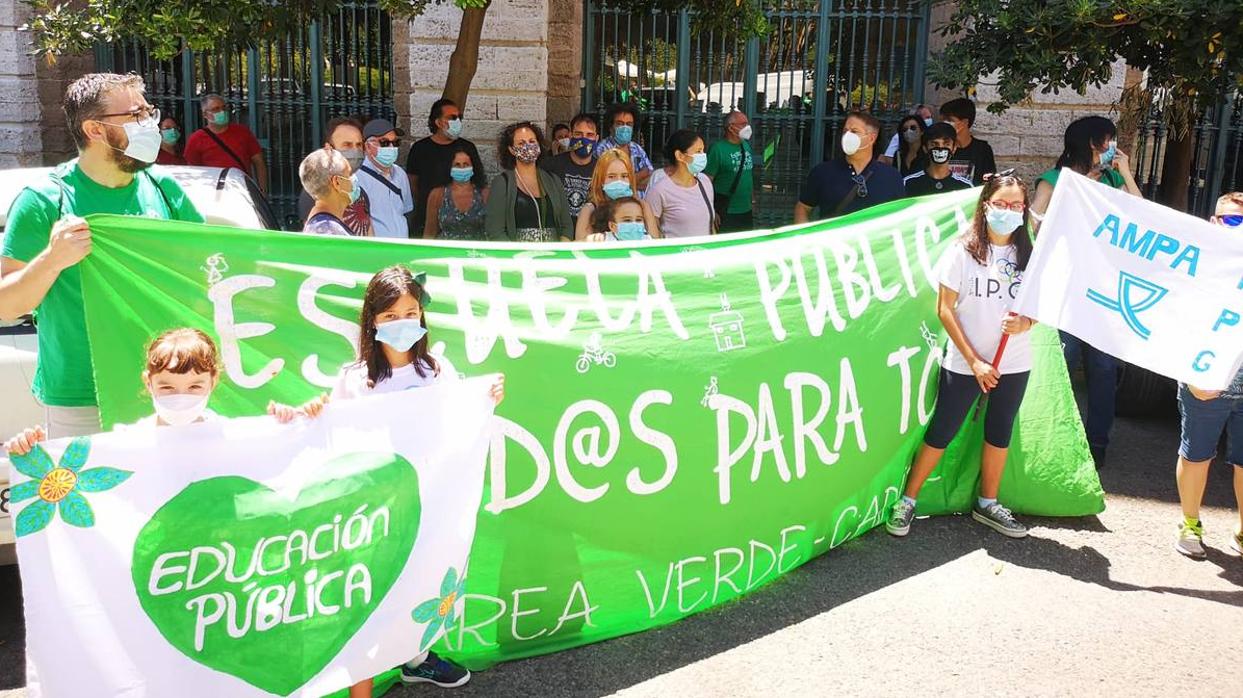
900, 517
1191, 540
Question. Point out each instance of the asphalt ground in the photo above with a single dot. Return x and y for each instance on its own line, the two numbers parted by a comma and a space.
1099, 605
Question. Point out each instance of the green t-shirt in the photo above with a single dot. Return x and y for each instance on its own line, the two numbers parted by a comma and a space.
723, 159
1111, 177
63, 375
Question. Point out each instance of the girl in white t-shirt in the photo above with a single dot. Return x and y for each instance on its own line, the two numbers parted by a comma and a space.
980, 277
393, 355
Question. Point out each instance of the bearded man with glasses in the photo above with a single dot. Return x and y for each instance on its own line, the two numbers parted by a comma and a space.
118, 137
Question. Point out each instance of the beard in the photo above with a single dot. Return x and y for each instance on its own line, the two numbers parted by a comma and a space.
117, 154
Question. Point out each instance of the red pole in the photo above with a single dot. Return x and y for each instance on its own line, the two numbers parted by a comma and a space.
1001, 350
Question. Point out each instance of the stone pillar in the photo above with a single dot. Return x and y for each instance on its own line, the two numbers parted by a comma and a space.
511, 83
21, 141
565, 59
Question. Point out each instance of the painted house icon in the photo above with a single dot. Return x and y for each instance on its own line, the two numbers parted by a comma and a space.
726, 327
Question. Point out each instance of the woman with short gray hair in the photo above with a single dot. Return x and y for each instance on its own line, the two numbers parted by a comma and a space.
325, 175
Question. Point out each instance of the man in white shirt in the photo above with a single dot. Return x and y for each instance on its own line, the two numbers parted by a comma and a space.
384, 181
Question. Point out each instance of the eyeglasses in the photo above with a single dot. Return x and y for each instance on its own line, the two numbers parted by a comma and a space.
1017, 206
388, 143
1231, 220
137, 114
862, 183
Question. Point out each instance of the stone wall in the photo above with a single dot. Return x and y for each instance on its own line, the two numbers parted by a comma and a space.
565, 59
511, 83
32, 124
21, 141
1028, 136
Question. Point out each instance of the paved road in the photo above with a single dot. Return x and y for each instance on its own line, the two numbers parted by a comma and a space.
1098, 604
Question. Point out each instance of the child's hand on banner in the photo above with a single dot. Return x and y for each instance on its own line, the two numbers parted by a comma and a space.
313, 408
1016, 324
497, 392
1203, 395
985, 374
25, 442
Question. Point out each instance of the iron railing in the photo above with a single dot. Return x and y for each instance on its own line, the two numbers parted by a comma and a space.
820, 60
1217, 154
284, 90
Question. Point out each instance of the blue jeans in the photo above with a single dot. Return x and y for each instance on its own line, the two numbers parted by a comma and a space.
1102, 375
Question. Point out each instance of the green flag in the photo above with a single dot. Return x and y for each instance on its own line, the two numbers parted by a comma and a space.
686, 420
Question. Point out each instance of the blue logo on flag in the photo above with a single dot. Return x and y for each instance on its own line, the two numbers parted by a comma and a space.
1135, 295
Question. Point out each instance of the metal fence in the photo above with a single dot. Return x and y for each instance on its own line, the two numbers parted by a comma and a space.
820, 60
1217, 154
284, 90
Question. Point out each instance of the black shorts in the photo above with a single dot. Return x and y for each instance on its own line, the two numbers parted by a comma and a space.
958, 393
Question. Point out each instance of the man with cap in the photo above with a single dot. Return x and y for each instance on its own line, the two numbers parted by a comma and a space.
384, 182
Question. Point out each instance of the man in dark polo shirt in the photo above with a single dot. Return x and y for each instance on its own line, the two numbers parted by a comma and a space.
837, 187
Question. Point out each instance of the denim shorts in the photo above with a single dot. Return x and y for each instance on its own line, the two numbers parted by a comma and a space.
1203, 422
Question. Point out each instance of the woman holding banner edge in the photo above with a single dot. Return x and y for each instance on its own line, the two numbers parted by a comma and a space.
1091, 150
979, 280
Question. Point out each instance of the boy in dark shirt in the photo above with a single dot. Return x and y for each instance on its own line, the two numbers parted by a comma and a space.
974, 157
939, 145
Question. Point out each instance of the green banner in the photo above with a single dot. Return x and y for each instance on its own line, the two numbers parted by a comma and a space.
685, 420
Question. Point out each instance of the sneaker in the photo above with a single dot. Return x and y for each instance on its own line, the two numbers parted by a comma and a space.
900, 517
1191, 540
1000, 520
435, 670
1236, 543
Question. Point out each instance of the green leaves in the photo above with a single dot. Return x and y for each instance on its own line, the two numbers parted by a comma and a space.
1073, 44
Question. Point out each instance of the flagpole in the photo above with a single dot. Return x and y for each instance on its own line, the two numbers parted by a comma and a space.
1001, 350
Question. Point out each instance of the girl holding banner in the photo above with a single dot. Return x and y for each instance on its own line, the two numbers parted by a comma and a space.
979, 280
393, 355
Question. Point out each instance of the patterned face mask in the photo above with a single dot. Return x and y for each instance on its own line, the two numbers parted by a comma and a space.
527, 152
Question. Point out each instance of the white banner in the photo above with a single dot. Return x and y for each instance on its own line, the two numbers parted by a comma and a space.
245, 558
1148, 284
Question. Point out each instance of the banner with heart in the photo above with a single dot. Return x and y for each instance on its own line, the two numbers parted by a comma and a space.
243, 557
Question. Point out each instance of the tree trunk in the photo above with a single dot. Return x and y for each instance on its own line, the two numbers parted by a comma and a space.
465, 59
1176, 170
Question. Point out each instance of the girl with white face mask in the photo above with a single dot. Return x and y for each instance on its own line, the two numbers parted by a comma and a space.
393, 356
980, 278
183, 368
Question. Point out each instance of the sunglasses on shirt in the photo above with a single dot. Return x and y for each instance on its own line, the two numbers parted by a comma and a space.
1231, 220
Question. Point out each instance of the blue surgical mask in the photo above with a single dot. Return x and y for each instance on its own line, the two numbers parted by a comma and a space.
698, 162
623, 134
1107, 157
400, 334
461, 174
617, 189
582, 147
454, 128
355, 190
1003, 221
387, 155
633, 230
928, 122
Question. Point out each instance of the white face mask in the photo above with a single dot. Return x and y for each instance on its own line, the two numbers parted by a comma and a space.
144, 140
745, 132
180, 409
851, 142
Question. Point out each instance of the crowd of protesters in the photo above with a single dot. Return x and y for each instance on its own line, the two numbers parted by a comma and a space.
595, 181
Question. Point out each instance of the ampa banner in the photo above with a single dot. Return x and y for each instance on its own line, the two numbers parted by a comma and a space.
1153, 286
246, 558
685, 421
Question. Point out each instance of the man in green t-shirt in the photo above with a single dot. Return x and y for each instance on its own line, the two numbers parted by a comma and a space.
118, 137
731, 166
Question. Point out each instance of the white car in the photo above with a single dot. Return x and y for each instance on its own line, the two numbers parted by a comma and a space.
224, 197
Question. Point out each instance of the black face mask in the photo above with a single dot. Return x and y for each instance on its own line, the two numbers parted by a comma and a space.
940, 155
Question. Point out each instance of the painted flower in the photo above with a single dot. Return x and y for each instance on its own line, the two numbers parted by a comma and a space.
438, 613
59, 486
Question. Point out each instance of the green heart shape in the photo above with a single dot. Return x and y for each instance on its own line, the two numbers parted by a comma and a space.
199, 601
